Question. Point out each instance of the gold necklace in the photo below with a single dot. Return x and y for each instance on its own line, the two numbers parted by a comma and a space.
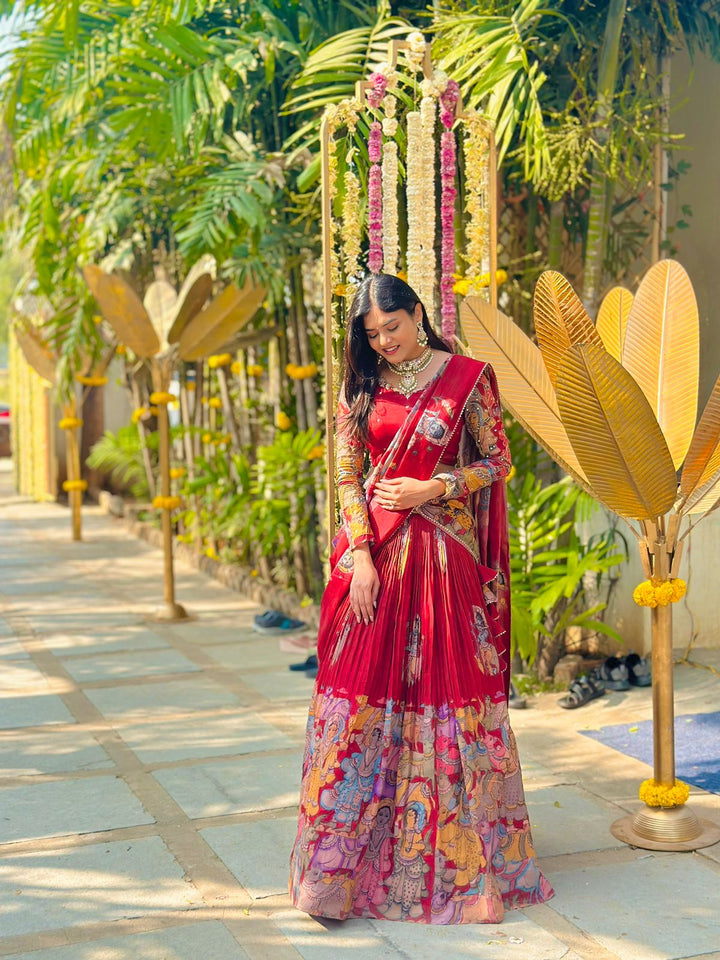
407, 371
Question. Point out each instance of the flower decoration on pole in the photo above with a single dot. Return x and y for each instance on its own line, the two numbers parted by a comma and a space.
615, 404
164, 329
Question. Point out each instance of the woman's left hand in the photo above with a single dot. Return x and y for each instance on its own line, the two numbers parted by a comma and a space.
404, 493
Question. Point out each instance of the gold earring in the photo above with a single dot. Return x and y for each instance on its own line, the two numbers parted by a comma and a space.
422, 337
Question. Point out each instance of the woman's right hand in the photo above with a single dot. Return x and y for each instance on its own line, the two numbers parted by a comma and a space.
365, 585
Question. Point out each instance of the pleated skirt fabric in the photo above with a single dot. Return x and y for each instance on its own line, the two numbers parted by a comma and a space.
412, 804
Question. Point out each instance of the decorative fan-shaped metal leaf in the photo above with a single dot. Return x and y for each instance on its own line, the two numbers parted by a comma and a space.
702, 462
193, 294
122, 309
560, 320
212, 329
525, 386
37, 353
615, 434
612, 320
662, 351
160, 301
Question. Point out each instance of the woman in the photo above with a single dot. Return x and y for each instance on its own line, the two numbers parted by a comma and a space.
412, 802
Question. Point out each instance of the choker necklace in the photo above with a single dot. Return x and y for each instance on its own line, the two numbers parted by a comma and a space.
407, 371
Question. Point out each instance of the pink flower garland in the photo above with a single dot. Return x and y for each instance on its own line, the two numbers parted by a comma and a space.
375, 204
448, 163
379, 85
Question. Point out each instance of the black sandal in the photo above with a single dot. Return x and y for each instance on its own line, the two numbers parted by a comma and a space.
612, 674
581, 691
638, 670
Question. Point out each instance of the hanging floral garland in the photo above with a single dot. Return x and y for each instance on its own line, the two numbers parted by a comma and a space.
390, 187
476, 150
350, 229
428, 116
375, 95
414, 198
448, 162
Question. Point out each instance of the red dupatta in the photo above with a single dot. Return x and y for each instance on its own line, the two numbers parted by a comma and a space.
410, 454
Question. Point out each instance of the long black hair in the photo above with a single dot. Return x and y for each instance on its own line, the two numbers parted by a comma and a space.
360, 361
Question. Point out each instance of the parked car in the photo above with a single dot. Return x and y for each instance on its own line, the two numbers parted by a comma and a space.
4, 430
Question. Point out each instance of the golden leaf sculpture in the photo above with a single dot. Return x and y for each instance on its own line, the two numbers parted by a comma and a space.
160, 301
123, 310
615, 434
212, 329
560, 320
662, 351
612, 320
524, 382
628, 409
36, 351
193, 294
702, 463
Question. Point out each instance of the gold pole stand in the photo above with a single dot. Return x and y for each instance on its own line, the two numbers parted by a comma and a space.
664, 828
170, 611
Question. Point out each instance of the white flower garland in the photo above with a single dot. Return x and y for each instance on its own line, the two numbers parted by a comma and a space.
426, 290
414, 198
476, 149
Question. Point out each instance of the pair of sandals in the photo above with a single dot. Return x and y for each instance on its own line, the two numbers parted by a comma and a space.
615, 673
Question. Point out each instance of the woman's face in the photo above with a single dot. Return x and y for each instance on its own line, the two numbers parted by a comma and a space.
394, 335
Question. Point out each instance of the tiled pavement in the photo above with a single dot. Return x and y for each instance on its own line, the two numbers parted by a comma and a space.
149, 776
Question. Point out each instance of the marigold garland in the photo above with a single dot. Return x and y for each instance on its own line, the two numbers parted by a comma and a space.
70, 485
296, 372
476, 152
70, 423
90, 381
656, 794
166, 503
161, 397
659, 593
219, 360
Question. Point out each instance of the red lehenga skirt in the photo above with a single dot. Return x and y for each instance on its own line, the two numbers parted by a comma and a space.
412, 803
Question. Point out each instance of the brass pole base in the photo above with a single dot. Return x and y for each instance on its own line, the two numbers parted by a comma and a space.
170, 612
665, 828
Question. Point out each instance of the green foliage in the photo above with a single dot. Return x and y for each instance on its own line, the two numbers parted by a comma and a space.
120, 456
549, 563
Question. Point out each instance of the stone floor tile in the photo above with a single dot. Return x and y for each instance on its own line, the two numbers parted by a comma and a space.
234, 786
80, 621
94, 883
661, 906
33, 711
63, 807
11, 648
116, 666
23, 675
154, 740
567, 819
356, 939
30, 752
155, 699
252, 652
258, 853
70, 643
281, 685
205, 940
517, 938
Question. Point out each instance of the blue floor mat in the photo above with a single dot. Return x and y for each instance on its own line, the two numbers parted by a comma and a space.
697, 746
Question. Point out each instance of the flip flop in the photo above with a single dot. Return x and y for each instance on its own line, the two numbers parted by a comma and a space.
581, 691
612, 674
638, 670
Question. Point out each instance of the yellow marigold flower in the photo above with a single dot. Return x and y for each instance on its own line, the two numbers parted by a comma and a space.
154, 411
461, 287
340, 289
316, 452
219, 360
206, 438
254, 370
215, 403
283, 421
292, 370
512, 473
679, 589
306, 601
656, 794
161, 397
177, 472
97, 319
203, 401
190, 387
121, 349
69, 485
210, 552
402, 275
311, 370
70, 423
254, 573
138, 413
236, 367
664, 593
501, 277
91, 381
166, 503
